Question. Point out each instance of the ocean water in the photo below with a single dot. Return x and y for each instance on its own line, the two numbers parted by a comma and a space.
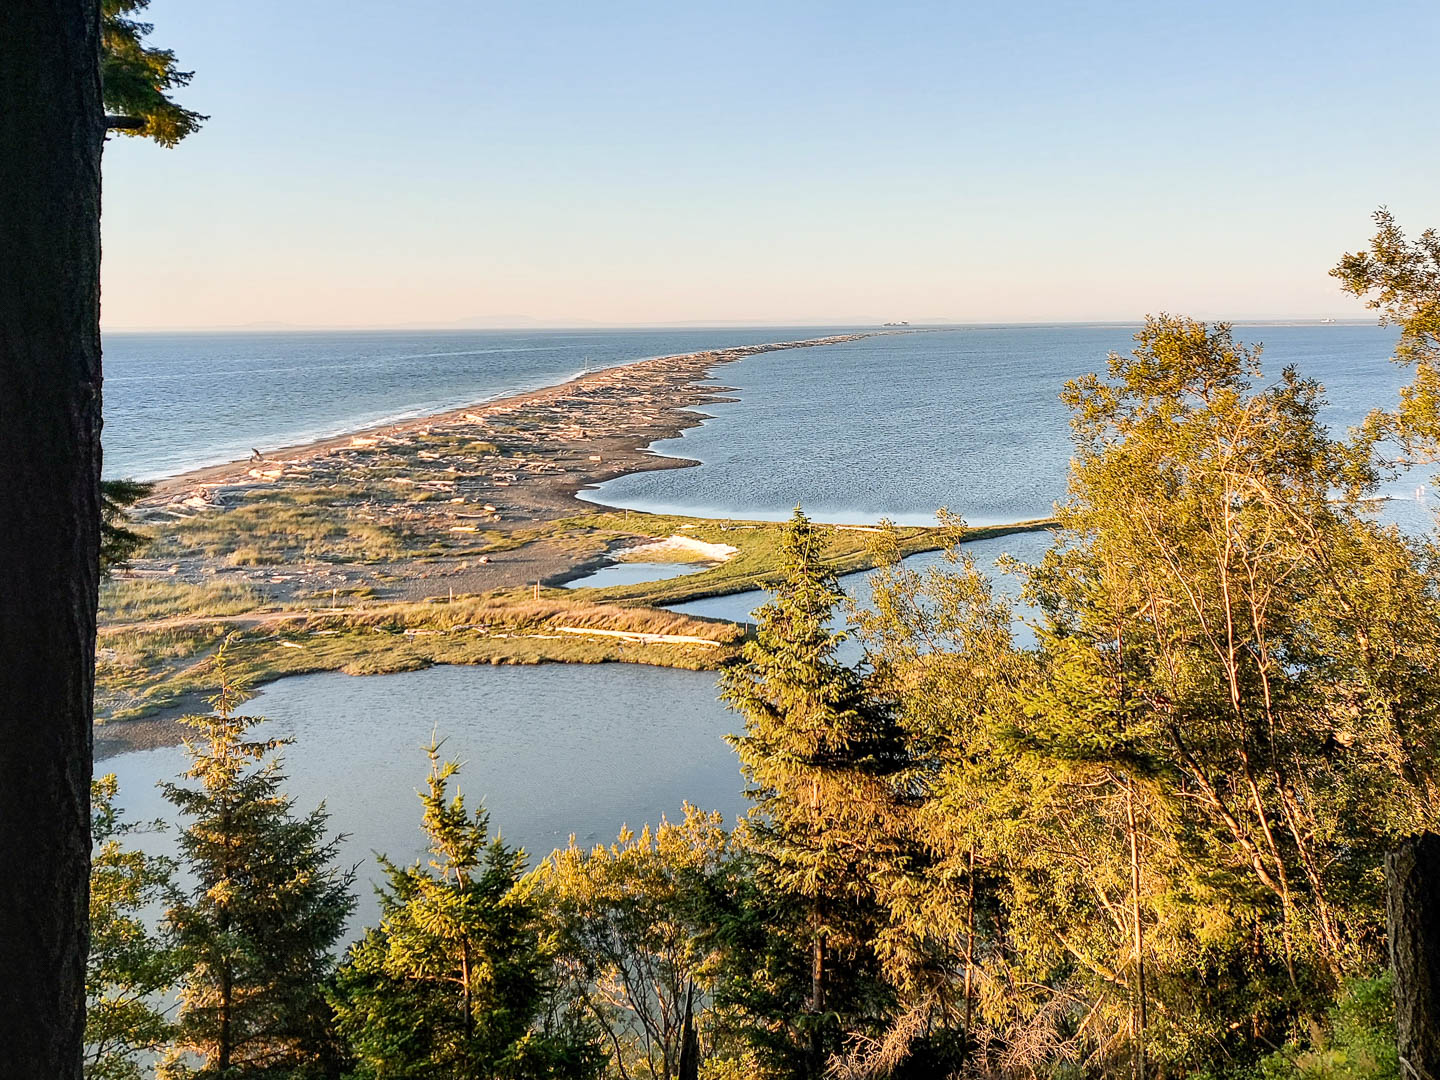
178, 401
892, 426
968, 419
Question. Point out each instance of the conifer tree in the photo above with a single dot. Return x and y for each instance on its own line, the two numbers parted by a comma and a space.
138, 78
457, 981
131, 967
118, 541
267, 906
824, 762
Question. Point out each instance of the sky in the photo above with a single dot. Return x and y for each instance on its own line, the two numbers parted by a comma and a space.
468, 163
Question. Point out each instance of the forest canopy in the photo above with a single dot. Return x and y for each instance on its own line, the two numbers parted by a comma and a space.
1146, 839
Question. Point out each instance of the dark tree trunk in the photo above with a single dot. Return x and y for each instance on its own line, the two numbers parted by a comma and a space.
689, 1065
1412, 879
817, 1003
51, 132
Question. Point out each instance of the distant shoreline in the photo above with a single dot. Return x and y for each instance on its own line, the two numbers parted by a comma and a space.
284, 328
236, 468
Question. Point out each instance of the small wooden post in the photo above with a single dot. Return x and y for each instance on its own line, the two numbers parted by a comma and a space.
1412, 910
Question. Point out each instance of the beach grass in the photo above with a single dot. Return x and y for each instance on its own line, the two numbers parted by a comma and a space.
282, 525
128, 599
849, 549
141, 672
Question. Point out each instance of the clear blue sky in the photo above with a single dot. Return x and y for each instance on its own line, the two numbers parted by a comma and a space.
439, 161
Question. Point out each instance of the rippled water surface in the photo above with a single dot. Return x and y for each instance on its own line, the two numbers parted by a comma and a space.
969, 419
178, 401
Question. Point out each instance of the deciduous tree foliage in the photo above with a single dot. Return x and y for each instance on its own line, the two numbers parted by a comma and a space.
132, 966
1181, 795
1400, 278
942, 651
634, 918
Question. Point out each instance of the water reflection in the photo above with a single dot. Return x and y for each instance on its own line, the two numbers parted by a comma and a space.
550, 750
635, 573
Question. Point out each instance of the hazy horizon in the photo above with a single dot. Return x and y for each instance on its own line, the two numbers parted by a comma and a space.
462, 326
653, 165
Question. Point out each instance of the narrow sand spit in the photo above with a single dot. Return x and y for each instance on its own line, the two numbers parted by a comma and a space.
451, 503
360, 547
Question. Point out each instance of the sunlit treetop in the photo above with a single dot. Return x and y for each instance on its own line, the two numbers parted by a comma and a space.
1400, 278
137, 78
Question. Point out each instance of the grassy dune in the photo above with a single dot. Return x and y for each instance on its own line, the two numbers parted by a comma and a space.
144, 671
158, 634
850, 549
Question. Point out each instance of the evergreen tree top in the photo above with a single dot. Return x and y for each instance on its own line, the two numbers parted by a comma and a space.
137, 77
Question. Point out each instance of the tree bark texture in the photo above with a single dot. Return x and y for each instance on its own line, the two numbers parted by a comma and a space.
51, 133
1412, 880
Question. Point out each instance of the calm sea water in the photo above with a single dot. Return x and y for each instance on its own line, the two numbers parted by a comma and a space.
969, 419
183, 400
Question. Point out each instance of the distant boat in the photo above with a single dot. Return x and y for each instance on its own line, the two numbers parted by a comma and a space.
1327, 320
897, 324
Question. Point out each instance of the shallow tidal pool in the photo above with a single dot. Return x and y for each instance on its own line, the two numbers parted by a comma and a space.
635, 573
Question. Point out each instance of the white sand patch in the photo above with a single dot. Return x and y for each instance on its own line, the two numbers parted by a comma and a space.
677, 549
